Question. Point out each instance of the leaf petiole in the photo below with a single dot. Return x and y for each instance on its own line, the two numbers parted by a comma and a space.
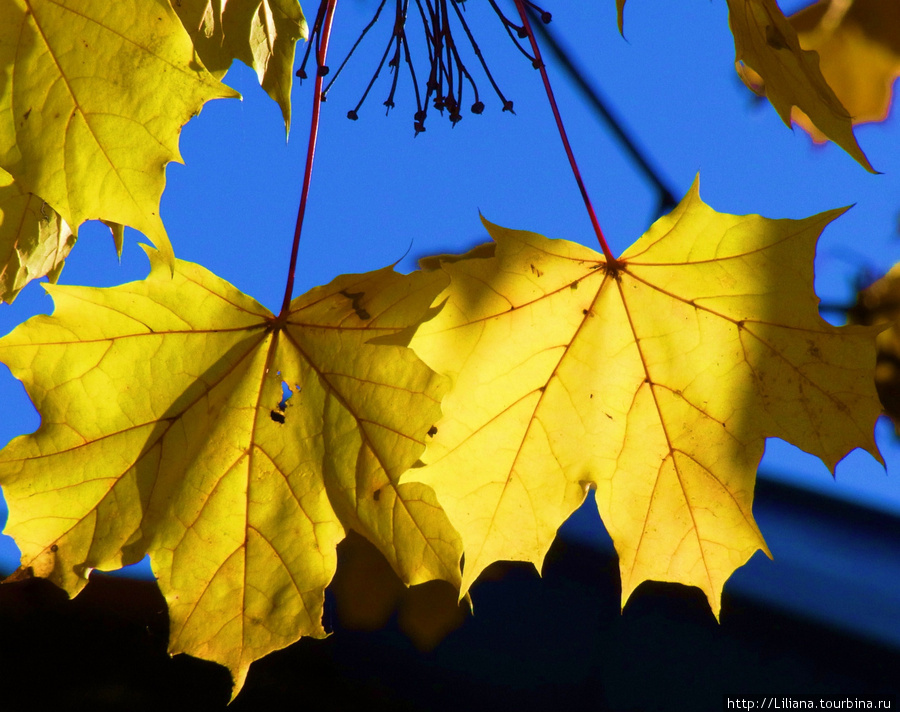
539, 64
324, 20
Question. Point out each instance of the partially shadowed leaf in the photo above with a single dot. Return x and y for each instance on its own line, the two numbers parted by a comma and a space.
165, 430
655, 381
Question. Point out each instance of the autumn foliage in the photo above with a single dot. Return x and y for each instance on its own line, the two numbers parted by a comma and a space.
459, 413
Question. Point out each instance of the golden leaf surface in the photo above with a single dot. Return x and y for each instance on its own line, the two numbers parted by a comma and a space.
34, 239
858, 44
766, 43
93, 95
655, 382
165, 431
260, 33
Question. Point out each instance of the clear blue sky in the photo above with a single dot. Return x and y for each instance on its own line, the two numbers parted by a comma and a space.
380, 195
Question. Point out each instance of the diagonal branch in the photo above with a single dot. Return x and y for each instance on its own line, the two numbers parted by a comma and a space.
667, 199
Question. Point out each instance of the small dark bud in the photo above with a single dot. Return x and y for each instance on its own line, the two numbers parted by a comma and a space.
455, 118
431, 85
546, 17
301, 73
419, 127
522, 32
352, 115
394, 62
389, 104
477, 107
419, 116
323, 70
536, 63
508, 106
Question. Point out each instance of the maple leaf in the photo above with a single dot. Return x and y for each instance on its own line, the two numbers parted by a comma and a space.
260, 33
859, 53
34, 239
771, 62
93, 96
367, 594
766, 43
879, 303
655, 381
165, 431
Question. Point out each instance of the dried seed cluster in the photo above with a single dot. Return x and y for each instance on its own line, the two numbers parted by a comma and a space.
448, 76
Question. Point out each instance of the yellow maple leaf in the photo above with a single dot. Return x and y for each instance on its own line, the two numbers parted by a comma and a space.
164, 431
93, 95
655, 381
767, 45
858, 44
34, 239
260, 33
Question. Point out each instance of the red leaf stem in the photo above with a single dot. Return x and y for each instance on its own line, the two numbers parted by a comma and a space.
321, 53
539, 63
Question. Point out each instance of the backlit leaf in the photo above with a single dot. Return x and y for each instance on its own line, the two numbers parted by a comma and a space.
260, 33
165, 431
93, 95
879, 303
766, 43
859, 53
655, 381
34, 239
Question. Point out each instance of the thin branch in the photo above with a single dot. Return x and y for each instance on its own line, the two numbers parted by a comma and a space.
507, 104
353, 48
509, 26
354, 113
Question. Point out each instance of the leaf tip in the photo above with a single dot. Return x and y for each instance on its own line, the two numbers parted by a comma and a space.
620, 16
161, 264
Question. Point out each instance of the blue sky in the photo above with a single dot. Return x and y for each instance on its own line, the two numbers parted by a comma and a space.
379, 194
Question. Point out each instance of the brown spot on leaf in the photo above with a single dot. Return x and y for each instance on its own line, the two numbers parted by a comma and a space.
774, 38
355, 298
